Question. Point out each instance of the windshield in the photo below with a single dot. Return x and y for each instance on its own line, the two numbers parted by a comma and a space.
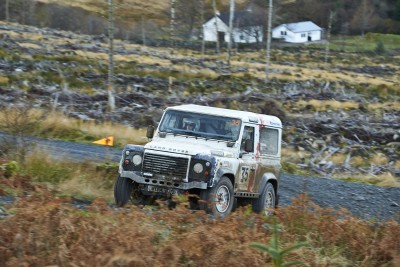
200, 125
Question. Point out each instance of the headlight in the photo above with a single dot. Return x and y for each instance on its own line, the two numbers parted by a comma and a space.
137, 160
198, 168
127, 153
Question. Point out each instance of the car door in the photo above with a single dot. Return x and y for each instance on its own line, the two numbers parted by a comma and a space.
247, 160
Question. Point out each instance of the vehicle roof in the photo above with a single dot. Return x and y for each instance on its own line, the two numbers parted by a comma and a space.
245, 116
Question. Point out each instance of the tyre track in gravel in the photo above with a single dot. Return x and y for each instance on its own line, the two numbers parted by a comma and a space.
361, 200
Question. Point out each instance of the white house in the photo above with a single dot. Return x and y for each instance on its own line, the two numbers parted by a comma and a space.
245, 28
299, 32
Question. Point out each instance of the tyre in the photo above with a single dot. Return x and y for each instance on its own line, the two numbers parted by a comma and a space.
218, 200
266, 201
122, 190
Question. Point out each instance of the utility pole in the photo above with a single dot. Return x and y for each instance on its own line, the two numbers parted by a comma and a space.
268, 49
111, 98
216, 25
231, 16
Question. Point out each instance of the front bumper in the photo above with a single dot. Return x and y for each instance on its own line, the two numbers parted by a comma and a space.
172, 184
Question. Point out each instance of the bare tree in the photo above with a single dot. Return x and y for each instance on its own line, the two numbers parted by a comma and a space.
231, 16
328, 36
202, 29
21, 11
268, 48
216, 25
364, 17
172, 23
19, 122
7, 10
111, 97
187, 15
143, 31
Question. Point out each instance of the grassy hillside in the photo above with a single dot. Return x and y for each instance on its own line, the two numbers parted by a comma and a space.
130, 10
133, 10
156, 6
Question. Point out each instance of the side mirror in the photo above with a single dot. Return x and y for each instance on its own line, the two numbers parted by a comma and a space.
150, 131
249, 145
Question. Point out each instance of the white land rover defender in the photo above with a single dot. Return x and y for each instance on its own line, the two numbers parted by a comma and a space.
220, 155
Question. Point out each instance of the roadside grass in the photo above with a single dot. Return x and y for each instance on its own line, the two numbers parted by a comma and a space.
57, 126
54, 125
83, 180
89, 182
43, 168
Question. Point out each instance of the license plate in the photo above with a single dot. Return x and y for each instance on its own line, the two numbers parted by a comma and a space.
163, 190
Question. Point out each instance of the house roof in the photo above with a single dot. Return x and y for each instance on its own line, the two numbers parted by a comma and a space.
304, 26
240, 19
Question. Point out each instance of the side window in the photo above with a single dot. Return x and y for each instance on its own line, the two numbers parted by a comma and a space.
269, 141
248, 134
168, 122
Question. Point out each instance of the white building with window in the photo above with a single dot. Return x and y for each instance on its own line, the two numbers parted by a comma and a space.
299, 32
246, 29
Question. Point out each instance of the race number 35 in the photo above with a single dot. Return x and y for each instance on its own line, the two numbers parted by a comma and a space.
244, 174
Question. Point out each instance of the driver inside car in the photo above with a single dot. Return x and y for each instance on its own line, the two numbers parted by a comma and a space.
189, 126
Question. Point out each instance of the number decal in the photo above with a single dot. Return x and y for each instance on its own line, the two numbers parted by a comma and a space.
244, 174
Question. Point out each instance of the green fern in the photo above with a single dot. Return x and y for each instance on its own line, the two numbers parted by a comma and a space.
276, 252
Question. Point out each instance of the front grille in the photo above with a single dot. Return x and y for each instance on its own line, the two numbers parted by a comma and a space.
165, 165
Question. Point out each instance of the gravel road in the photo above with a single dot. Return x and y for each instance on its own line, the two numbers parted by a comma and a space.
362, 200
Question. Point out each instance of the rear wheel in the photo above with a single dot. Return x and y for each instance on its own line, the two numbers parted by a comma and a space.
266, 201
218, 200
123, 188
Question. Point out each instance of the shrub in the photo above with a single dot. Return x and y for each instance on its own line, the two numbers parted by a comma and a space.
379, 48
9, 168
19, 122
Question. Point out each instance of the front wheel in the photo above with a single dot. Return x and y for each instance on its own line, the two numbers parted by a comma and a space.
218, 200
266, 201
122, 190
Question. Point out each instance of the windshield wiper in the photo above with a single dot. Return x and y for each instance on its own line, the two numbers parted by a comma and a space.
224, 137
187, 132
